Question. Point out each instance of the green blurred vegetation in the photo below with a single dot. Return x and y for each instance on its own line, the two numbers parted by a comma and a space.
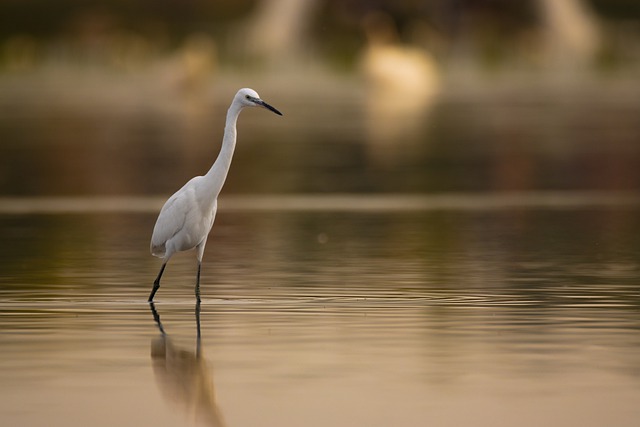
46, 19
37, 31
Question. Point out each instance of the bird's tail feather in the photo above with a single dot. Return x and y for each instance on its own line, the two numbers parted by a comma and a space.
158, 251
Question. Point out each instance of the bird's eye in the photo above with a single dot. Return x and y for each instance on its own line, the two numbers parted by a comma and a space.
247, 96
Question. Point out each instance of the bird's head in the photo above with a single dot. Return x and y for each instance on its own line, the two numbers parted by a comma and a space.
249, 98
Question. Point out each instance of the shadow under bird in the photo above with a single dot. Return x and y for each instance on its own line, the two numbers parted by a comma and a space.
186, 218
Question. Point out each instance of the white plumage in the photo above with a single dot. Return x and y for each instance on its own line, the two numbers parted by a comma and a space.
186, 218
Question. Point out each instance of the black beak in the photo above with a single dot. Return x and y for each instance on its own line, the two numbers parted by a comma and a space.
267, 106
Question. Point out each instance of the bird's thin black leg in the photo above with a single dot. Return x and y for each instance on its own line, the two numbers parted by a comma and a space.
198, 334
156, 283
198, 282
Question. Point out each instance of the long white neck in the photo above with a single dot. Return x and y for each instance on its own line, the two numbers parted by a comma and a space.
218, 173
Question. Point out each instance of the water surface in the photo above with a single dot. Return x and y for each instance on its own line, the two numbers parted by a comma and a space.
511, 315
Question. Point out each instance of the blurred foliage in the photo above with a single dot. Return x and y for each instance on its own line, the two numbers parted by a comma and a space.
44, 19
618, 9
336, 27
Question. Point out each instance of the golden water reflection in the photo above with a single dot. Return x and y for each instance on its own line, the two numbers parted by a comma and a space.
184, 376
488, 314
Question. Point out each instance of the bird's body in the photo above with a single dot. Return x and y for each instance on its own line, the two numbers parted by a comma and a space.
185, 220
187, 216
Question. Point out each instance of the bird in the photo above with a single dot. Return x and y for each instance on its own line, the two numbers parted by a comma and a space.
187, 216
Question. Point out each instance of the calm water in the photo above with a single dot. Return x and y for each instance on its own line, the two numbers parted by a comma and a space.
510, 315
472, 263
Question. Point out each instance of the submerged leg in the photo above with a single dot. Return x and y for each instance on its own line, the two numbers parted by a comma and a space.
156, 283
198, 282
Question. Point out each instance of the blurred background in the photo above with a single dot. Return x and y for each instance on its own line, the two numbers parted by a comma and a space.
128, 97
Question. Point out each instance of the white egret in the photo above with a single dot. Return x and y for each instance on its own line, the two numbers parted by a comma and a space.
186, 218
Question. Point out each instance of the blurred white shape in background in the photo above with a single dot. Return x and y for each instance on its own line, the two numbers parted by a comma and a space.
572, 34
277, 31
402, 84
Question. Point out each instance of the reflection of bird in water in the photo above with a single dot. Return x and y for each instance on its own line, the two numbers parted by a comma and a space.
402, 83
184, 377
